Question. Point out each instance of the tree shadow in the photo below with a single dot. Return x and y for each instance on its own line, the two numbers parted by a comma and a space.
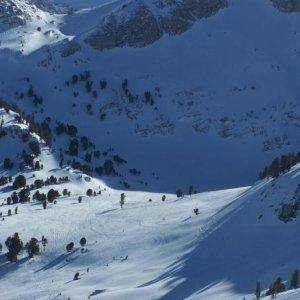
57, 261
96, 292
67, 262
212, 260
105, 212
236, 253
7, 267
6, 189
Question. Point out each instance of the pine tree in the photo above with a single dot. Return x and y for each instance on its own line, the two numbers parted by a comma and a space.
30, 92
191, 190
82, 242
33, 247
122, 200
257, 290
14, 246
295, 279
76, 276
19, 182
70, 247
179, 193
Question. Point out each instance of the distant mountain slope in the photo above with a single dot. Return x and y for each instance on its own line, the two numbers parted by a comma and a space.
228, 91
14, 13
287, 5
141, 23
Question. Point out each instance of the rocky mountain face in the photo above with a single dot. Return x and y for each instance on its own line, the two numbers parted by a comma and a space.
140, 23
287, 5
14, 13
205, 78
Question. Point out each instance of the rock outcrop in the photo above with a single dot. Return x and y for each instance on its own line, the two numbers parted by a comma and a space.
138, 24
13, 14
287, 5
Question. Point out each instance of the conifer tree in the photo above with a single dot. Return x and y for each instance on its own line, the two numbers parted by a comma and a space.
257, 290
295, 279
122, 200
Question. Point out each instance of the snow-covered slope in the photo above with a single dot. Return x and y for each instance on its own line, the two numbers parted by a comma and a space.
146, 97
148, 249
229, 91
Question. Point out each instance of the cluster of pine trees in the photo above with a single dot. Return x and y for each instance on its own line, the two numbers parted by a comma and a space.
278, 286
42, 129
15, 246
280, 165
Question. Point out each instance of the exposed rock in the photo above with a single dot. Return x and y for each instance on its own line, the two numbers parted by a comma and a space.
12, 14
286, 212
15, 13
137, 24
70, 48
139, 30
287, 5
183, 15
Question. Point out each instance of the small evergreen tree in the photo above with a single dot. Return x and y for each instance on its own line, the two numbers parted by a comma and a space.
35, 148
191, 190
14, 198
179, 193
24, 195
89, 192
122, 200
82, 241
45, 204
294, 279
52, 195
257, 290
73, 147
33, 247
19, 182
70, 247
14, 246
30, 91
7, 164
88, 86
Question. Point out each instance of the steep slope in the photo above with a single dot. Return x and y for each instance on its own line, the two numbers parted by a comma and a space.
225, 90
139, 24
146, 98
287, 5
16, 137
249, 245
15, 13
158, 249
